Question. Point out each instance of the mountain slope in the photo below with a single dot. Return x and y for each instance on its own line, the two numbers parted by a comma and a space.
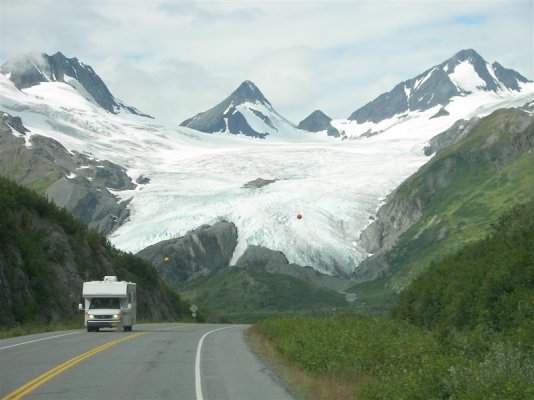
46, 255
453, 199
246, 111
31, 69
73, 180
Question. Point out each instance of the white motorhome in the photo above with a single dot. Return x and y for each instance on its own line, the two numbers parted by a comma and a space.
109, 304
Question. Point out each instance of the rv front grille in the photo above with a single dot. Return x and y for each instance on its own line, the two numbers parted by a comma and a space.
103, 316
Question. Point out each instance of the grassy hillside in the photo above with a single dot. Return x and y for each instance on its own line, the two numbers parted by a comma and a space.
242, 295
463, 330
46, 254
461, 192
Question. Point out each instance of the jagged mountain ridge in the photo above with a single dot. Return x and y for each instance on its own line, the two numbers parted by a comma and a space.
461, 75
30, 69
246, 111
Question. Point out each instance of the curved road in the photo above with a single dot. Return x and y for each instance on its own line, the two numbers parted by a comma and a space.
155, 361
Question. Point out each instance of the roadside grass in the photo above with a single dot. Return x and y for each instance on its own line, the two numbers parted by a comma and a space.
300, 383
352, 357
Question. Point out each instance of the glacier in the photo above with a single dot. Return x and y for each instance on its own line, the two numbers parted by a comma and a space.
196, 178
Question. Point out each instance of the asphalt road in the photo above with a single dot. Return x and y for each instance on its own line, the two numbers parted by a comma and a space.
155, 361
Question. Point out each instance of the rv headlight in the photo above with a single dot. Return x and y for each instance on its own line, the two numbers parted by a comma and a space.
90, 316
117, 316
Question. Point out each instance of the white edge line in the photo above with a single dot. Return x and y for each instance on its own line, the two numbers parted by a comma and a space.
38, 340
198, 381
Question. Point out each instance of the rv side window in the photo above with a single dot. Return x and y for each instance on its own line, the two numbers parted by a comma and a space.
105, 302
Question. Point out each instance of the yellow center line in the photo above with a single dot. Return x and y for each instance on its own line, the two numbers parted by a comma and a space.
42, 379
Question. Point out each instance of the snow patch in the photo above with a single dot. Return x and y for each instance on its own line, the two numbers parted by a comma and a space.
407, 92
466, 79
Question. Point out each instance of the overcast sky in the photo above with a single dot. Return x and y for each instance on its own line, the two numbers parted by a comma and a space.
173, 59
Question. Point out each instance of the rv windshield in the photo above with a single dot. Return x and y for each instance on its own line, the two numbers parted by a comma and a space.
105, 302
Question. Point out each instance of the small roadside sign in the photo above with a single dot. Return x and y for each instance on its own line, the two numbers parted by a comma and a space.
193, 310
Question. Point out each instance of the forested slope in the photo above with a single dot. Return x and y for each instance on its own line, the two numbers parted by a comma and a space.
46, 254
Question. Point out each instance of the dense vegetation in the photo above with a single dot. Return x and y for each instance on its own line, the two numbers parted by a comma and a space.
487, 286
245, 295
464, 329
45, 255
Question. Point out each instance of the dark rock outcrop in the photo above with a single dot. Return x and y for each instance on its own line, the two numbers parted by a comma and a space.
258, 183
318, 121
199, 252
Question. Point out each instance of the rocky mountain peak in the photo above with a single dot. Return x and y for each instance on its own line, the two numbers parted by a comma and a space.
467, 55
246, 111
248, 92
318, 121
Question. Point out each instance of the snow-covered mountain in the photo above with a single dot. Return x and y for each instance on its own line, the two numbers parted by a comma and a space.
186, 178
318, 121
31, 69
246, 111
463, 82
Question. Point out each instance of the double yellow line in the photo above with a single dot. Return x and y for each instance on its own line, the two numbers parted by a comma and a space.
42, 379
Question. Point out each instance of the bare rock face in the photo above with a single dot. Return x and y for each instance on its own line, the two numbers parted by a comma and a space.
201, 251
393, 219
72, 180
